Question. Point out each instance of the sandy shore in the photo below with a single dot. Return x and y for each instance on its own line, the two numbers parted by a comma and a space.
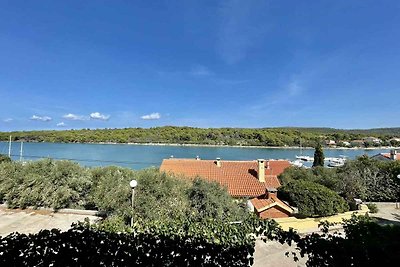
244, 146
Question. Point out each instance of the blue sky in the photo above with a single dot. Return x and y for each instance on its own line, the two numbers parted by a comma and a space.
115, 64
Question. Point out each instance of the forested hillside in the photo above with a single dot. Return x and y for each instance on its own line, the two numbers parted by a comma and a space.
209, 136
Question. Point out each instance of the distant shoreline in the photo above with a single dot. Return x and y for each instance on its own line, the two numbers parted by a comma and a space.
216, 146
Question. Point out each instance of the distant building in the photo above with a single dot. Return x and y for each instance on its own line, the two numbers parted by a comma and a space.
372, 140
392, 155
257, 180
358, 143
330, 142
345, 143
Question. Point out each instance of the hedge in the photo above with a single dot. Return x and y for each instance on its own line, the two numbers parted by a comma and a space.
313, 199
86, 246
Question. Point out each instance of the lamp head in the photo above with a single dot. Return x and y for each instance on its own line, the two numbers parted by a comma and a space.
133, 184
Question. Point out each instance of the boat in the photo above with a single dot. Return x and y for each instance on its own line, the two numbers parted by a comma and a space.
297, 163
305, 158
337, 162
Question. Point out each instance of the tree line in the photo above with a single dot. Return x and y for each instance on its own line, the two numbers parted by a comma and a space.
307, 137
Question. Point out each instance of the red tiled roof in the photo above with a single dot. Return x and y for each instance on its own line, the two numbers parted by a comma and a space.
261, 204
239, 177
387, 155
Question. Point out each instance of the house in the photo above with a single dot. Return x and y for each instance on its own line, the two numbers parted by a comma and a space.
257, 180
357, 143
330, 142
345, 143
394, 140
372, 140
270, 206
392, 155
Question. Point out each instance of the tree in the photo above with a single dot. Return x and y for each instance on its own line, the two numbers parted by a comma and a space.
4, 158
312, 199
318, 156
210, 200
363, 243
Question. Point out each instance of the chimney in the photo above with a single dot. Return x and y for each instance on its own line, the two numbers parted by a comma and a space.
218, 162
261, 170
393, 154
271, 191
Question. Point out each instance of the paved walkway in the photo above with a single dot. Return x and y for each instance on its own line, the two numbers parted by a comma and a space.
32, 221
272, 254
387, 213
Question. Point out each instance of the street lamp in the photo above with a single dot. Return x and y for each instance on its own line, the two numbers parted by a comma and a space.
133, 185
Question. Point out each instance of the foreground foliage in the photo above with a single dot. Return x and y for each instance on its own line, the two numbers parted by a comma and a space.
84, 245
363, 243
44, 183
161, 200
176, 221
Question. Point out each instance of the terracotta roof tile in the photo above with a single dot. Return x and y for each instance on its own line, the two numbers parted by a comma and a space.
387, 155
239, 177
261, 203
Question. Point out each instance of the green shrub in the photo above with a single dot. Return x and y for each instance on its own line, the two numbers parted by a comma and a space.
84, 246
110, 191
373, 208
363, 243
4, 158
210, 200
45, 183
313, 199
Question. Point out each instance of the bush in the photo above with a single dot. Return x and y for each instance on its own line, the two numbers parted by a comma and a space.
110, 191
363, 178
4, 158
161, 200
210, 200
313, 199
45, 183
373, 208
364, 243
85, 246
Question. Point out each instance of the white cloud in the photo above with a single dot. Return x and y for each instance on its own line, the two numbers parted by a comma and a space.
99, 116
41, 118
200, 70
152, 116
8, 120
74, 117
294, 88
61, 124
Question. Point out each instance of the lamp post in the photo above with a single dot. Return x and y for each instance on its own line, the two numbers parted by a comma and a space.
133, 185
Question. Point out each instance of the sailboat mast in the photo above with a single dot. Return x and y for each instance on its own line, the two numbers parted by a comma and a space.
301, 151
20, 152
9, 148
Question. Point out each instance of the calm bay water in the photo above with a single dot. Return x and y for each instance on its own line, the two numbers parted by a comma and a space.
142, 156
